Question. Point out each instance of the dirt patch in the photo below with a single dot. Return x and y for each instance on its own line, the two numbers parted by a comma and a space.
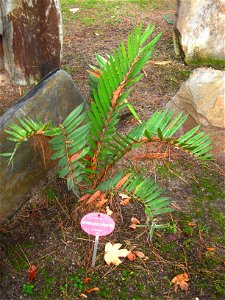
9, 92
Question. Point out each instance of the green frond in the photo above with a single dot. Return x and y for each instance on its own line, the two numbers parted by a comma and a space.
116, 73
113, 149
70, 145
149, 193
110, 184
163, 125
23, 132
142, 189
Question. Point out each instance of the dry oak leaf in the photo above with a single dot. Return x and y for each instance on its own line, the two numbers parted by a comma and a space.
180, 281
113, 252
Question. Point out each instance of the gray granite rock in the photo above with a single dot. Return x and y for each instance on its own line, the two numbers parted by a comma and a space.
202, 96
52, 99
199, 32
31, 38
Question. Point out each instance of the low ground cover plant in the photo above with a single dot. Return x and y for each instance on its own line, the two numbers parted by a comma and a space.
88, 145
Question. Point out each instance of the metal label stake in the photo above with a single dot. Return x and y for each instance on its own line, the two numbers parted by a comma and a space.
95, 251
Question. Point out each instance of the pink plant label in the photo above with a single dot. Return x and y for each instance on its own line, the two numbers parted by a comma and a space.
97, 224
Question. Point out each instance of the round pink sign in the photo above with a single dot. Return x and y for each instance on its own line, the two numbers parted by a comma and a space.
97, 224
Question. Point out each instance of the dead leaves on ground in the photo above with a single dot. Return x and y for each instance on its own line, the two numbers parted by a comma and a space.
98, 199
125, 199
181, 281
210, 249
94, 289
32, 272
109, 212
113, 253
131, 256
134, 223
135, 253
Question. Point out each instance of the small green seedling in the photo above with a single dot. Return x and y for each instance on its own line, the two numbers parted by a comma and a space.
63, 288
77, 282
28, 289
172, 228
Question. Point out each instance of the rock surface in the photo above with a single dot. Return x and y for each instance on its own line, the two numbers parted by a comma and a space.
52, 99
199, 32
202, 96
37, 26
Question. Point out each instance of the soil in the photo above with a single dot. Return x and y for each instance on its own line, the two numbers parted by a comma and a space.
46, 232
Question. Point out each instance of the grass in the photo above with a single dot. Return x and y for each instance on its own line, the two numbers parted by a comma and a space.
103, 12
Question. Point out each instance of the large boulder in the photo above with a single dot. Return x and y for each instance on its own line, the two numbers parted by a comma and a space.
30, 38
52, 99
202, 96
199, 32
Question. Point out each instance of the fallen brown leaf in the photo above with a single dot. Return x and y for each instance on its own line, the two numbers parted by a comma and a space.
125, 201
83, 296
139, 254
101, 203
180, 281
86, 280
95, 289
158, 235
210, 249
84, 197
93, 197
133, 226
135, 220
123, 196
190, 224
109, 212
32, 272
131, 256
163, 62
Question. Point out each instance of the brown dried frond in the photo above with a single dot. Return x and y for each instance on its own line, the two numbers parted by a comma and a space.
41, 143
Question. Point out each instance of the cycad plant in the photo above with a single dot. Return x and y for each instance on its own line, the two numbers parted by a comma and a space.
87, 144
